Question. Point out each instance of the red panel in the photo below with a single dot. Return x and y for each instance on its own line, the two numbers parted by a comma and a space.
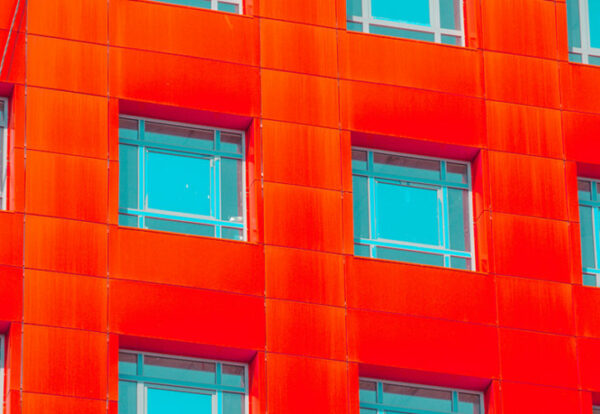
535, 305
531, 247
82, 300
65, 245
362, 57
11, 242
315, 153
527, 398
423, 344
390, 286
580, 87
314, 50
66, 186
184, 314
589, 363
304, 276
536, 22
11, 284
586, 304
318, 13
41, 403
288, 323
64, 362
306, 385
581, 136
303, 217
185, 260
538, 358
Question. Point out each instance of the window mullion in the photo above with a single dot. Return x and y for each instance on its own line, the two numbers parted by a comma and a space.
366, 15
434, 15
584, 23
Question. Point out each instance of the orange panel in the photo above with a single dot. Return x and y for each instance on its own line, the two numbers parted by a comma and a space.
580, 87
305, 276
66, 186
11, 284
528, 398
68, 123
65, 245
314, 51
289, 322
64, 362
80, 20
303, 217
306, 385
318, 13
390, 287
67, 65
291, 97
524, 129
534, 83
536, 23
184, 314
528, 185
41, 403
82, 300
382, 59
186, 260
11, 242
314, 153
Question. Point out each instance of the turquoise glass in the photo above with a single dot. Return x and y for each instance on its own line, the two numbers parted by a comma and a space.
409, 256
127, 397
362, 250
353, 8
177, 137
232, 375
417, 398
161, 401
407, 167
469, 403
205, 4
450, 40
574, 23
594, 16
361, 206
587, 237
179, 369
233, 403
405, 11
594, 60
460, 263
128, 173
128, 364
402, 33
128, 220
368, 392
589, 280
176, 226
458, 213
231, 199
227, 7
355, 27
449, 14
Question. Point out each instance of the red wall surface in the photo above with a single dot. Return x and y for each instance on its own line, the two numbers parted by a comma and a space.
293, 301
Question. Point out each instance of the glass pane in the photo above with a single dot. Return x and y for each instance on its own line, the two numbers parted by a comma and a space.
353, 8
596, 410
360, 195
232, 234
573, 23
406, 166
178, 182
184, 227
161, 401
166, 134
589, 280
451, 40
362, 250
407, 212
410, 256
128, 128
594, 13
128, 220
469, 403
403, 33
456, 173
593, 60
449, 14
587, 237
179, 369
127, 397
231, 142
460, 263
205, 4
367, 411
584, 189
127, 363
417, 398
413, 11
458, 219
233, 403
231, 190
232, 375
359, 160
228, 7
355, 27
575, 57
128, 176
368, 392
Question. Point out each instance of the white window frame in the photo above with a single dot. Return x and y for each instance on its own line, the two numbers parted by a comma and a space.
4, 159
586, 50
434, 12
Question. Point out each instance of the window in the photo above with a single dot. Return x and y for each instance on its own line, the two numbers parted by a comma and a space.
231, 6
583, 18
3, 151
439, 21
596, 409
159, 384
589, 216
377, 397
181, 178
412, 209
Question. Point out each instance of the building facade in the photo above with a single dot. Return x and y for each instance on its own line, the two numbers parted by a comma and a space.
292, 206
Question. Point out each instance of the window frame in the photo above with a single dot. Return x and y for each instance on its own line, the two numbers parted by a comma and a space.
595, 206
406, 245
367, 20
191, 218
382, 408
214, 5
585, 50
143, 383
4, 155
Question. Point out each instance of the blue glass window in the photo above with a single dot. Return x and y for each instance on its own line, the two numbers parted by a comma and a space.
589, 216
159, 384
181, 179
438, 21
412, 209
3, 150
388, 397
231, 6
583, 21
